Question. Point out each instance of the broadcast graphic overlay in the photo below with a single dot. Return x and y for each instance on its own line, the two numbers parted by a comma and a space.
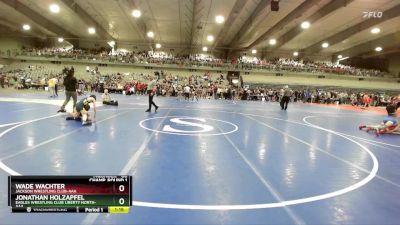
74, 194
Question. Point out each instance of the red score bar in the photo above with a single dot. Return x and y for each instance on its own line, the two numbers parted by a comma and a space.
69, 185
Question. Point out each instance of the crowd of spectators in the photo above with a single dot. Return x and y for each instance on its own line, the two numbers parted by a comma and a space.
209, 86
194, 87
23, 79
324, 96
202, 60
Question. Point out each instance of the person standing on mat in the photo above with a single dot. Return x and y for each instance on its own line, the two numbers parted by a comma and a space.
151, 90
287, 93
70, 84
186, 91
56, 86
52, 86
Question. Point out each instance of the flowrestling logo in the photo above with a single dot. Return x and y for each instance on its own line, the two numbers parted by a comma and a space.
192, 126
372, 14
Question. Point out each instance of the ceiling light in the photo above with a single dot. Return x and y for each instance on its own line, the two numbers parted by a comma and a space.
26, 27
378, 49
295, 53
111, 43
91, 30
340, 56
60, 39
325, 45
219, 19
375, 30
158, 45
210, 38
205, 49
136, 13
254, 51
305, 25
150, 34
272, 41
54, 8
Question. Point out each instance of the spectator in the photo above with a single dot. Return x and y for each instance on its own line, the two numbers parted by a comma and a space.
52, 85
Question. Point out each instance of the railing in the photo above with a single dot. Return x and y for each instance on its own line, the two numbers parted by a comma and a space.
184, 63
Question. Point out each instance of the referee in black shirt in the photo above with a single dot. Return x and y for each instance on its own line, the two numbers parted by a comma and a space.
70, 84
151, 91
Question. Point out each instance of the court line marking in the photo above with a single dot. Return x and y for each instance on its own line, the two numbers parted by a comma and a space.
187, 134
377, 176
209, 109
361, 138
327, 153
295, 122
370, 141
26, 109
55, 102
47, 141
265, 182
172, 101
357, 185
2, 165
383, 147
265, 205
91, 218
14, 123
305, 124
291, 121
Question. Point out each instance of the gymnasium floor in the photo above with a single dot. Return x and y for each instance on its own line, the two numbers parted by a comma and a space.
209, 162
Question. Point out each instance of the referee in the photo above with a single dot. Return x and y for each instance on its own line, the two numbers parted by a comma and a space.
151, 90
287, 93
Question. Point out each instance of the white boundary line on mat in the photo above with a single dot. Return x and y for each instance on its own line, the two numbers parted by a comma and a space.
350, 188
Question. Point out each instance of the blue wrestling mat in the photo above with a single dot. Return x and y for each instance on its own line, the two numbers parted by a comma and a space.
209, 162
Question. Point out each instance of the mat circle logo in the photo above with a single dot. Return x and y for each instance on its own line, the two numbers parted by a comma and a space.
185, 125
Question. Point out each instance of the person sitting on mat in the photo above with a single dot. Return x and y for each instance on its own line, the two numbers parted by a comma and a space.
81, 112
107, 99
389, 125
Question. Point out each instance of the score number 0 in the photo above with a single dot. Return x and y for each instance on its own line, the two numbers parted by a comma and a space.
121, 188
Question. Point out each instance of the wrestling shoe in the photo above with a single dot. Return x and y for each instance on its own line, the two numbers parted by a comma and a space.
86, 123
